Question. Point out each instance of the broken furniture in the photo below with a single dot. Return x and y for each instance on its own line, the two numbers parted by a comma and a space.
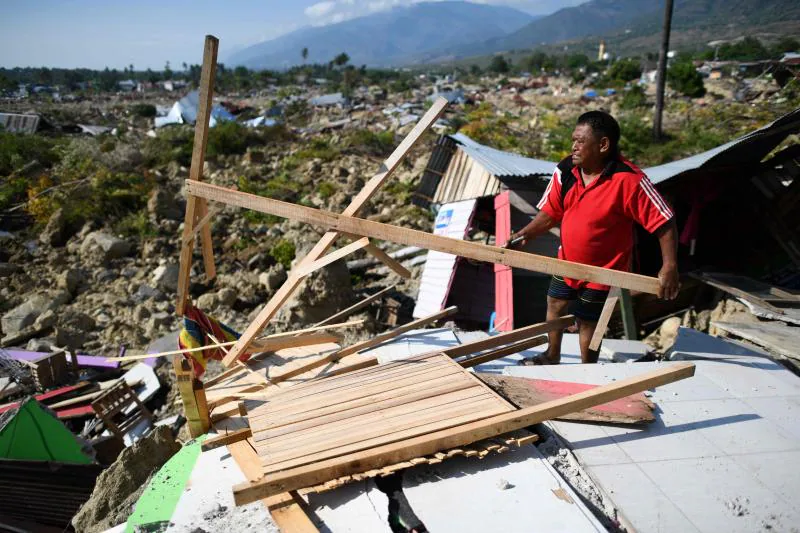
120, 401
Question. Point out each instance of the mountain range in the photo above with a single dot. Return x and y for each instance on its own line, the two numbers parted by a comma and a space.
388, 38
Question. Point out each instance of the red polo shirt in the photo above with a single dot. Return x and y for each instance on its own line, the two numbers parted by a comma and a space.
597, 221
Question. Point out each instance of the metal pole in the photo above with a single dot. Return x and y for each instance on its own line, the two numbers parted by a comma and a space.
662, 71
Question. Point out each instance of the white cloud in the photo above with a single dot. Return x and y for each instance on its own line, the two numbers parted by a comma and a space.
320, 9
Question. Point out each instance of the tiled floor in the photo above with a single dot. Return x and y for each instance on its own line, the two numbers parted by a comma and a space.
722, 456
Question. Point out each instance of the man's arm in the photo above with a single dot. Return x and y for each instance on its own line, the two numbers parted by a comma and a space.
668, 278
540, 224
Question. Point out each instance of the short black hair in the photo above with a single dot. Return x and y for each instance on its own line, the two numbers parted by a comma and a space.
603, 125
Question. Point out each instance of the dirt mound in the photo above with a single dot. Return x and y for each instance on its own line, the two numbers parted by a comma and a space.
119, 487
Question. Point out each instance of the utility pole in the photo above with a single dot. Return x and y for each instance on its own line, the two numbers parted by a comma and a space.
661, 76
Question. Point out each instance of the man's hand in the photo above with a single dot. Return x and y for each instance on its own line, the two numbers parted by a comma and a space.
515, 241
668, 282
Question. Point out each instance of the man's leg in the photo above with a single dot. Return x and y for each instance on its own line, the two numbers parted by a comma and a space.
585, 332
589, 306
556, 308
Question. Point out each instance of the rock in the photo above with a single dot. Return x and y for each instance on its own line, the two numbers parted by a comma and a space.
70, 280
664, 337
27, 312
226, 296
166, 277
207, 301
7, 269
119, 487
158, 320
320, 295
47, 319
162, 205
55, 232
145, 292
76, 320
140, 313
108, 246
274, 278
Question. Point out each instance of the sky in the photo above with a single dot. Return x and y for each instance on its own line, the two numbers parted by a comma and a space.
148, 33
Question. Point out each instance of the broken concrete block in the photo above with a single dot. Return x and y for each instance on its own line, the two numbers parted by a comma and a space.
207, 301
109, 246
166, 277
226, 296
27, 312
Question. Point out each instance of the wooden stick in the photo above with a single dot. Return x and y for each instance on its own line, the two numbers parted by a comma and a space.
196, 208
605, 316
410, 237
293, 282
227, 438
502, 352
389, 261
261, 344
353, 308
306, 269
201, 224
404, 450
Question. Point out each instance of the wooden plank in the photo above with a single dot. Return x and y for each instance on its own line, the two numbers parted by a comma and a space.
286, 509
344, 313
504, 351
775, 336
605, 316
225, 439
389, 261
197, 208
200, 224
410, 237
709, 279
344, 251
406, 449
525, 392
374, 341
510, 336
293, 282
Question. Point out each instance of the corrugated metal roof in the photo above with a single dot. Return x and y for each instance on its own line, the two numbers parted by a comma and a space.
503, 164
746, 150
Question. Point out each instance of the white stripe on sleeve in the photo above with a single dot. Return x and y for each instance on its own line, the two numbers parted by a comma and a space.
654, 197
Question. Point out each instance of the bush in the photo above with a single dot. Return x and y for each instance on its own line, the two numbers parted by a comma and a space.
623, 71
633, 98
379, 144
283, 252
173, 143
326, 189
228, 138
684, 78
137, 225
144, 110
318, 148
499, 65
18, 149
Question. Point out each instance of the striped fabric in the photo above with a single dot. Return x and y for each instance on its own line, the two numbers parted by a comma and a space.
196, 327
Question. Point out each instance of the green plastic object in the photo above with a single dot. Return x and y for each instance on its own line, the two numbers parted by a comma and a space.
159, 500
33, 433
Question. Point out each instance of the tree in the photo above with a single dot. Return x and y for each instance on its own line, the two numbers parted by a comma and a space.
304, 53
624, 70
785, 44
499, 65
475, 70
341, 59
684, 78
167, 72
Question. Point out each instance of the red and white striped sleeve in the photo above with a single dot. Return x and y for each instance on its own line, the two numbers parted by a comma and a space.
551, 199
646, 206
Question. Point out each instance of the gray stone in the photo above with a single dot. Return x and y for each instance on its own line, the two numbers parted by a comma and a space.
7, 269
70, 280
207, 301
163, 206
109, 246
140, 314
166, 277
76, 320
226, 296
275, 277
27, 312
47, 319
55, 232
145, 292
158, 321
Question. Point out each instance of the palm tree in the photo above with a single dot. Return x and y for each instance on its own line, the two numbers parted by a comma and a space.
341, 60
304, 53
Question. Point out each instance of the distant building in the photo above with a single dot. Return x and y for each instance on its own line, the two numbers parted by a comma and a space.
127, 86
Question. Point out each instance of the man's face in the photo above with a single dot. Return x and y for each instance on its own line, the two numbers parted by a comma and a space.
587, 150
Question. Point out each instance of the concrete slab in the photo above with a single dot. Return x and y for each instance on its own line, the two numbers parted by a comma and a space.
723, 455
464, 495
622, 350
690, 341
414, 342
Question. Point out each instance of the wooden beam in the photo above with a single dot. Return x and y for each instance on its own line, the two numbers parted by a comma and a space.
605, 316
226, 438
344, 251
389, 261
198, 208
344, 313
504, 351
201, 224
197, 417
293, 282
511, 336
410, 237
360, 346
404, 450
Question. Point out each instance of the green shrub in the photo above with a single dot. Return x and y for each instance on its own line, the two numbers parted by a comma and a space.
283, 252
684, 78
136, 225
326, 189
173, 143
228, 138
12, 191
144, 110
18, 149
318, 148
379, 144
633, 98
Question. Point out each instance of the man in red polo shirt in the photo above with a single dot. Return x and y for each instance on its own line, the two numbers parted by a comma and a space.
597, 196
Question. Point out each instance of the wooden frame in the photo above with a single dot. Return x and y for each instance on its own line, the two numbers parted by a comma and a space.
605, 315
404, 450
114, 401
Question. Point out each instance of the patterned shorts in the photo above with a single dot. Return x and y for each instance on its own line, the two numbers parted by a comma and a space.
586, 303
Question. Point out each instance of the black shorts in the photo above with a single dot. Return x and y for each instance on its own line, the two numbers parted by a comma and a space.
586, 303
